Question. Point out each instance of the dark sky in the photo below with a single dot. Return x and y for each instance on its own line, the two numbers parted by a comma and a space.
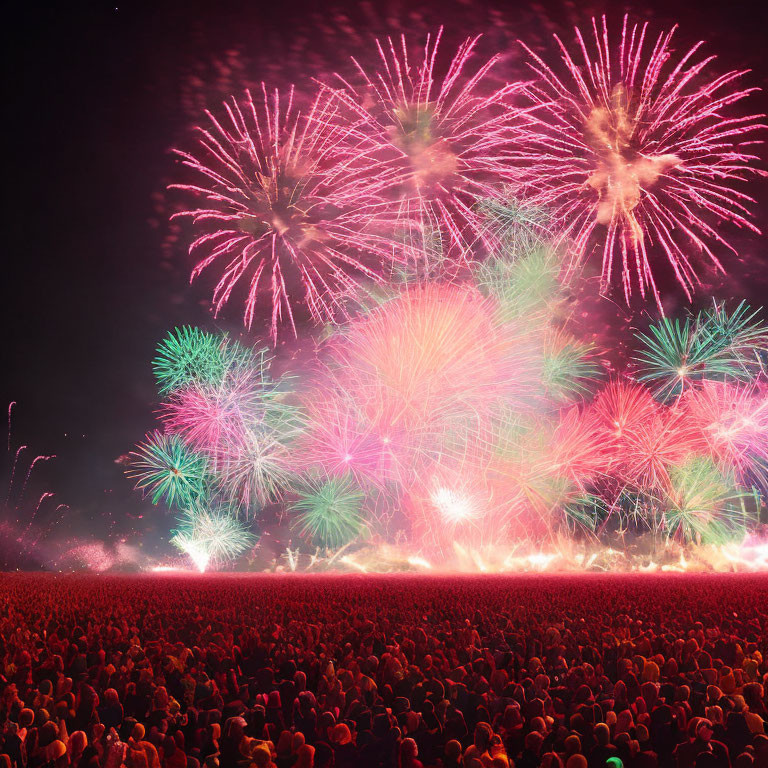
94, 97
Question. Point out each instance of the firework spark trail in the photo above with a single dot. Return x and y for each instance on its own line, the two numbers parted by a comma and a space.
188, 355
10, 411
243, 429
637, 150
433, 144
29, 473
20, 519
665, 439
13, 471
281, 209
43, 497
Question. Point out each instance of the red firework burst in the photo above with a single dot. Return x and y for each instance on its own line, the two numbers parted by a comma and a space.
667, 438
579, 450
280, 210
622, 408
642, 437
432, 144
637, 151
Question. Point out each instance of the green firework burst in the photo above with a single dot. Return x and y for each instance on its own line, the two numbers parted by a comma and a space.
568, 370
524, 288
166, 468
714, 345
329, 510
704, 505
187, 356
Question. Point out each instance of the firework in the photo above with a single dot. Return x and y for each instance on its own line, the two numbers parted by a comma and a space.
577, 449
211, 536
256, 468
714, 345
703, 505
414, 379
623, 408
664, 440
280, 209
638, 151
26, 518
212, 418
328, 511
525, 288
339, 440
553, 463
568, 369
454, 505
733, 418
518, 228
430, 353
432, 143
186, 356
531, 465
166, 468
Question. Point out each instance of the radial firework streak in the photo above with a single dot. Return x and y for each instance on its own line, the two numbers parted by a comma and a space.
432, 144
281, 211
636, 150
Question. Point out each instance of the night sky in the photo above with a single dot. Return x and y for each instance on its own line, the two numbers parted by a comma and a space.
94, 98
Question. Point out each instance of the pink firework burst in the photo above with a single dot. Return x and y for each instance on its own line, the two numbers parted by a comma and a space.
212, 419
339, 440
433, 141
430, 356
279, 210
733, 419
637, 151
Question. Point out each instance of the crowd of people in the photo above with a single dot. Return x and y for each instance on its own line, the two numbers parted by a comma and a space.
171, 671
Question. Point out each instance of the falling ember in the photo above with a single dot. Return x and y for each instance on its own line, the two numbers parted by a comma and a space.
639, 154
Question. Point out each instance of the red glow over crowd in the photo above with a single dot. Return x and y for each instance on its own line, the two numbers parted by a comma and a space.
593, 671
